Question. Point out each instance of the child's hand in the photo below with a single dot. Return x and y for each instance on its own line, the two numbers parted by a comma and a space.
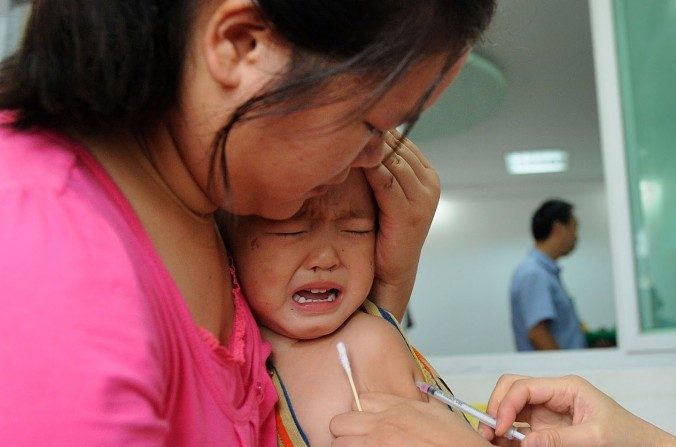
407, 189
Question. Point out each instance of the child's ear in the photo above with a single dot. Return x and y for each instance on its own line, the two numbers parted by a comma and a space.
236, 42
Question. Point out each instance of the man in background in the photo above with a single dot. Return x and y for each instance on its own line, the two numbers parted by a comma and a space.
543, 314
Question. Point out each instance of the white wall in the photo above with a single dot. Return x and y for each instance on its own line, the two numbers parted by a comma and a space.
460, 303
4, 11
12, 17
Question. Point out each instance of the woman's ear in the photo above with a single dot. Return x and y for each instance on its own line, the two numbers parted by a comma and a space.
234, 42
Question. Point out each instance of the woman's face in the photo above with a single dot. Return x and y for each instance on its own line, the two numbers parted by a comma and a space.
271, 165
276, 163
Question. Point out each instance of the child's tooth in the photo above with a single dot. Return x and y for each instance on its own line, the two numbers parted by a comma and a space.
302, 300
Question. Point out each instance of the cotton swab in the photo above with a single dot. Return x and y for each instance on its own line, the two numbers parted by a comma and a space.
342, 354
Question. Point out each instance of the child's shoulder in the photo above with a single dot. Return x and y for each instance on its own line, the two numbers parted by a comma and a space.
380, 357
370, 331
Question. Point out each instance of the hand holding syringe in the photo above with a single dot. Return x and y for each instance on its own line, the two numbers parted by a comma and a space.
456, 403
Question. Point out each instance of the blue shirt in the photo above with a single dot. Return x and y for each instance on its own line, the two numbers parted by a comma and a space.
537, 295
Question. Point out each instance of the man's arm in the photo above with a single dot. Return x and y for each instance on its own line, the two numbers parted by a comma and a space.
541, 337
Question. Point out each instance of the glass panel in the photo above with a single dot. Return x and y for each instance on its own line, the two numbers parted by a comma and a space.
646, 39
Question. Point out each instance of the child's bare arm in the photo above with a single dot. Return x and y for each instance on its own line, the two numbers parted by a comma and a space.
381, 360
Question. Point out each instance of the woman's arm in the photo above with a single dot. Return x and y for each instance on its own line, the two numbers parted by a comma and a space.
79, 361
393, 421
567, 412
563, 412
407, 189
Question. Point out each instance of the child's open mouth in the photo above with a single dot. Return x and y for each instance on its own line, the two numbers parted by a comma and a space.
315, 296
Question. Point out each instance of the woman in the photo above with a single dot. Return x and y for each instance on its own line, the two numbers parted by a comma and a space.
127, 125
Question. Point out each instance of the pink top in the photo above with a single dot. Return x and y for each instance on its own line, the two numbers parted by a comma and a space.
97, 346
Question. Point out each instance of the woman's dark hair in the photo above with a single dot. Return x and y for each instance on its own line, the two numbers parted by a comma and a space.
117, 64
377, 41
97, 65
551, 211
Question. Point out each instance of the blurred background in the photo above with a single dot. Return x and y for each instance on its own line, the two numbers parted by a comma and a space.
529, 86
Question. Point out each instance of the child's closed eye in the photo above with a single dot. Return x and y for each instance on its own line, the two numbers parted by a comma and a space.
288, 229
357, 226
358, 231
288, 233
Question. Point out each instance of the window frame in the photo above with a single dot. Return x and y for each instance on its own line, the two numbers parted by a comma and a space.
630, 337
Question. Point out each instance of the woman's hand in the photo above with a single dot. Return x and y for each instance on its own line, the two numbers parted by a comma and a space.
407, 189
389, 421
567, 412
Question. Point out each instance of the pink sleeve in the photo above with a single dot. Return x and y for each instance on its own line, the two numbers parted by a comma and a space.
80, 361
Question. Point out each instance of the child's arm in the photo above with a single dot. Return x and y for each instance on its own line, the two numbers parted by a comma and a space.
381, 360
383, 367
317, 385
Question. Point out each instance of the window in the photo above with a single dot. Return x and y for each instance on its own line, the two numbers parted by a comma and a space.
635, 51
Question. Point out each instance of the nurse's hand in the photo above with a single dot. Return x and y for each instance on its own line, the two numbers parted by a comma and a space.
567, 412
393, 421
407, 189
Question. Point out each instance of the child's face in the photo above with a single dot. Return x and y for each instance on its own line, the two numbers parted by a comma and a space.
306, 275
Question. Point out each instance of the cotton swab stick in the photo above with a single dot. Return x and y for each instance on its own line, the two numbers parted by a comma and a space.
342, 354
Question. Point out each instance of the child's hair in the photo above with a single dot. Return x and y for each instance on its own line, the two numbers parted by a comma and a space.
117, 64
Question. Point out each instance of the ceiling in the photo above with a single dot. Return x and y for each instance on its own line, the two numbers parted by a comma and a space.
542, 48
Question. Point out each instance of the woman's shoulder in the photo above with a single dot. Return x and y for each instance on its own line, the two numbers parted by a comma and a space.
73, 294
54, 198
35, 159
60, 247
63, 239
